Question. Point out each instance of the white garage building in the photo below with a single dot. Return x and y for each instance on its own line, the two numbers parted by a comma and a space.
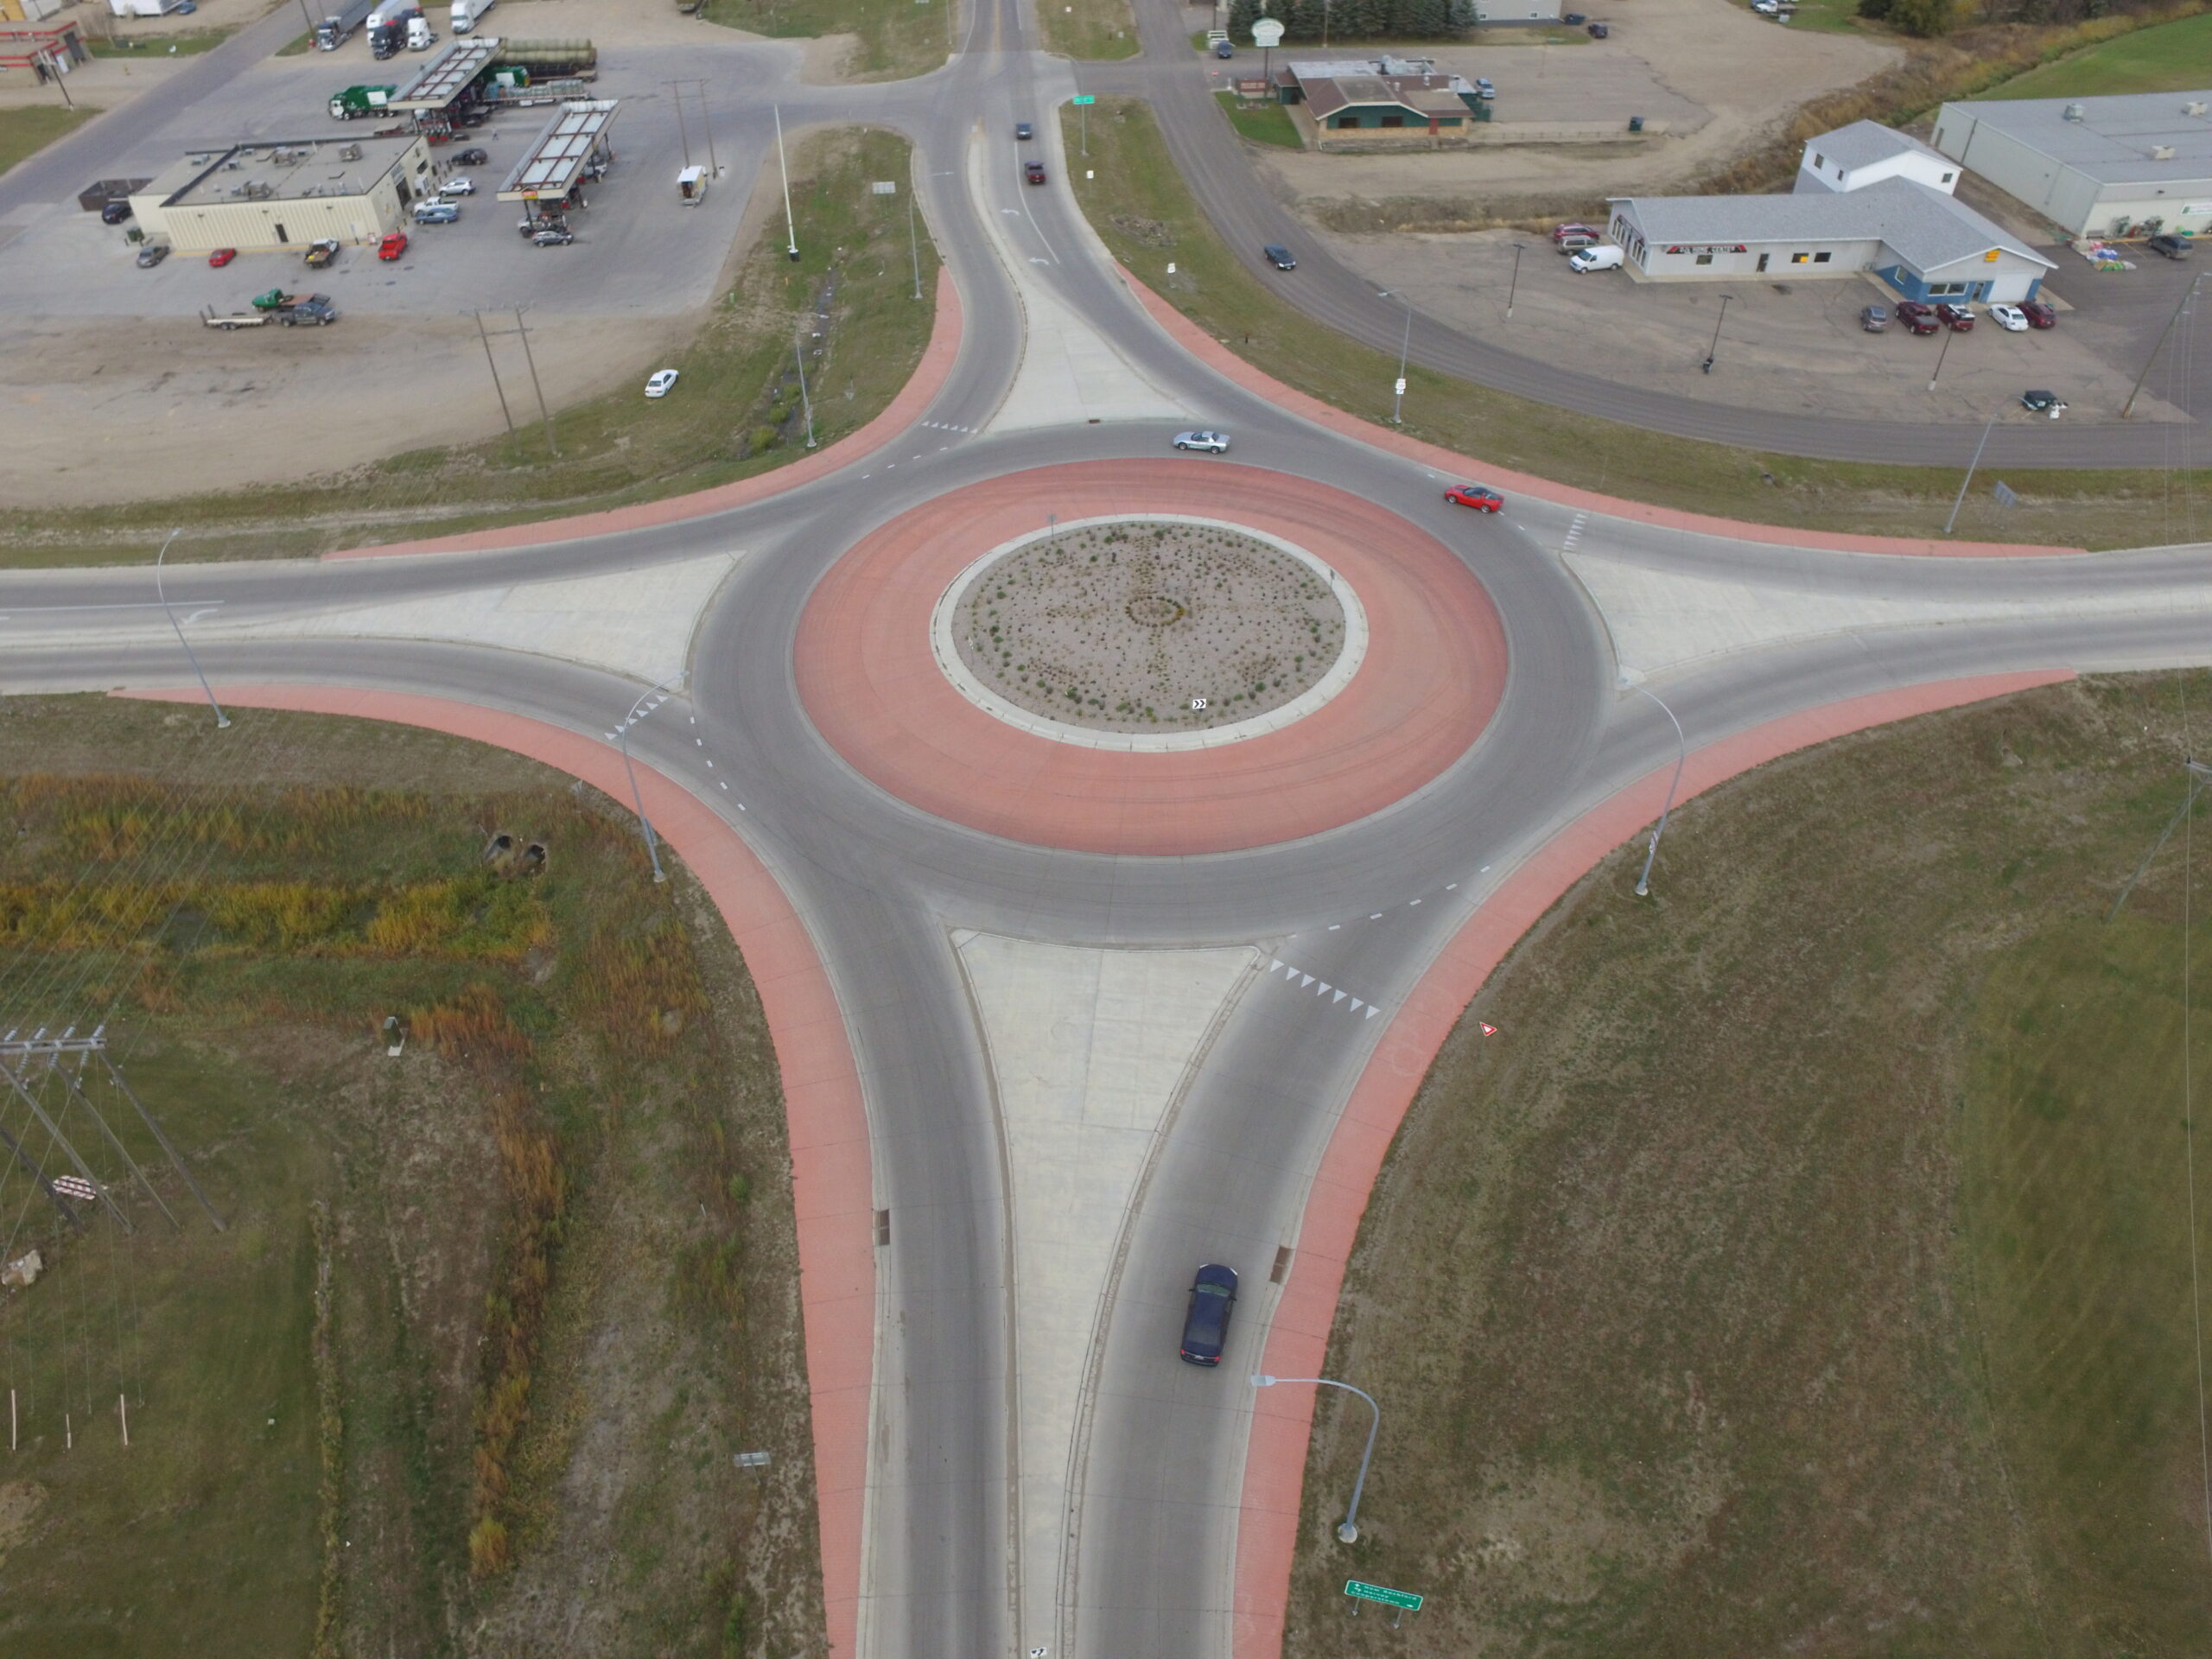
2093, 166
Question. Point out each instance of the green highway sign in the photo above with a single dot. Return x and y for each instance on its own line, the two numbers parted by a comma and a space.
1405, 1598
1083, 98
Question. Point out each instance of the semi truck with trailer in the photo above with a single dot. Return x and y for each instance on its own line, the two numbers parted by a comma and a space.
337, 25
387, 24
356, 101
466, 12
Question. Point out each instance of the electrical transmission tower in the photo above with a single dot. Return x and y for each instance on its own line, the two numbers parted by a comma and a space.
30, 1068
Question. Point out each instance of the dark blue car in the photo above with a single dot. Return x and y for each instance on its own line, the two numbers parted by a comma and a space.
1205, 1327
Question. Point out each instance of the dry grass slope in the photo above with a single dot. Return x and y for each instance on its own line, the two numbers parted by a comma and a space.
1804, 1265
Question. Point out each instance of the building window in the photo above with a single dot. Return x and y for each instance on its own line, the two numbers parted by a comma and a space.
1392, 121
1799, 259
1705, 258
1820, 259
1948, 177
1817, 159
1449, 121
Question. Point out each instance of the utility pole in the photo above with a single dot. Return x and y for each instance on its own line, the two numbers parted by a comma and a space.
1681, 760
494, 367
1714, 350
1948, 331
790, 225
707, 125
530, 357
1513, 287
1405, 346
676, 91
2188, 294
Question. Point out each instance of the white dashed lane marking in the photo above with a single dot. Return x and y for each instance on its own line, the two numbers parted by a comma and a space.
1574, 532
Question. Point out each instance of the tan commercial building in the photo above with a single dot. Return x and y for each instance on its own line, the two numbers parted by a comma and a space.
263, 197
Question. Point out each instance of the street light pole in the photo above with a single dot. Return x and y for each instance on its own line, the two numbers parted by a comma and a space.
1513, 287
1966, 482
1943, 353
1349, 1532
799, 356
790, 225
637, 797
161, 593
1682, 758
1405, 345
1714, 350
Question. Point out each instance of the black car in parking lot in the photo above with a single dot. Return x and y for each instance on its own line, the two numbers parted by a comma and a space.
473, 158
1205, 1327
2174, 247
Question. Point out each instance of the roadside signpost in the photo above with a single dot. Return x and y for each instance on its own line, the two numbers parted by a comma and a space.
1401, 1602
1083, 101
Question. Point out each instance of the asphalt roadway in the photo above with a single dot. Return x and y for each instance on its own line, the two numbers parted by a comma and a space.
880, 884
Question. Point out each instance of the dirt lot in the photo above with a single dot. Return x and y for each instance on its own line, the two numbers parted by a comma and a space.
1718, 74
1784, 346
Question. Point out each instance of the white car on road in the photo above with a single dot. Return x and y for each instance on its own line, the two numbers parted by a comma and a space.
2010, 318
1210, 443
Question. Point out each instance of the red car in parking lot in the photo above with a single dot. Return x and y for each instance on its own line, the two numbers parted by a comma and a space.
392, 246
2039, 314
1918, 318
1480, 497
1956, 318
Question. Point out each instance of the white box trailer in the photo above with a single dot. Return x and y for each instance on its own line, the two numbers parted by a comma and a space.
143, 7
691, 186
466, 12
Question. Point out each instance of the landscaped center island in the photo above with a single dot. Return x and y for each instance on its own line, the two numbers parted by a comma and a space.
1141, 624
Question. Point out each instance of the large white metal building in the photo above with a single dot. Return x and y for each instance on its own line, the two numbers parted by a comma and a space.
261, 197
2093, 166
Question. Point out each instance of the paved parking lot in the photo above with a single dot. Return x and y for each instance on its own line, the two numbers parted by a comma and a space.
100, 359
1782, 345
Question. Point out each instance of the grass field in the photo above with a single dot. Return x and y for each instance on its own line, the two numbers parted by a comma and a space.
487, 1321
1089, 30
894, 39
1147, 217
1263, 123
2170, 57
1804, 1264
25, 132
158, 46
737, 413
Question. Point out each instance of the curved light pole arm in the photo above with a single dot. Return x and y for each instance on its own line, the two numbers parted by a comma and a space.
1682, 758
1349, 1532
161, 592
636, 795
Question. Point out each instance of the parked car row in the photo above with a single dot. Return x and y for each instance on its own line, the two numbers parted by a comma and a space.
1918, 318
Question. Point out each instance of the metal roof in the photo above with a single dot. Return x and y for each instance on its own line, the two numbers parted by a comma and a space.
552, 165
1865, 143
446, 76
2114, 143
1923, 226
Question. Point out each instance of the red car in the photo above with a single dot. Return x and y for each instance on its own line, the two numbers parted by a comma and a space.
392, 246
2039, 314
1919, 318
1560, 233
222, 257
1956, 318
1480, 497
1033, 171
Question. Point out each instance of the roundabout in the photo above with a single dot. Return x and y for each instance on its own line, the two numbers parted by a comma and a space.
1344, 657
